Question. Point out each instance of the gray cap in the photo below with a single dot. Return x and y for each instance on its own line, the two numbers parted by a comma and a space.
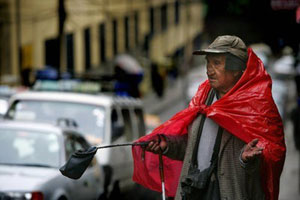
226, 44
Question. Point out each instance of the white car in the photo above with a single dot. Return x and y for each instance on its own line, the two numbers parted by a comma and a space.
102, 119
30, 157
5, 93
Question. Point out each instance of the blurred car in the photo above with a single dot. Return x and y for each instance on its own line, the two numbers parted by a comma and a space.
5, 93
3, 106
102, 118
30, 157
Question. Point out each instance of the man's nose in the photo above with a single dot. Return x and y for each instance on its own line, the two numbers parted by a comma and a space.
209, 70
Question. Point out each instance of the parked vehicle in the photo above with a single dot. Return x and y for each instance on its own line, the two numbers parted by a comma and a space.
3, 106
102, 119
30, 157
5, 94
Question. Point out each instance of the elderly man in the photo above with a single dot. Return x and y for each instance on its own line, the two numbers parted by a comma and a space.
226, 152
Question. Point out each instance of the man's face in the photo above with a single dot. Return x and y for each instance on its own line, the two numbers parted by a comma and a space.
219, 78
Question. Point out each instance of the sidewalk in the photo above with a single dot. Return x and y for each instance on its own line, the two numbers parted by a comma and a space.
290, 177
289, 182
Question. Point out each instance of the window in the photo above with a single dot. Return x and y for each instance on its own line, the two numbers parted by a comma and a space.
164, 17
152, 20
136, 28
70, 53
126, 33
102, 40
115, 36
87, 42
29, 147
128, 131
117, 124
139, 119
73, 144
89, 118
52, 53
177, 11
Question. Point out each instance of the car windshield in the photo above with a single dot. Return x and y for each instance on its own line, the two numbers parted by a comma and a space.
29, 148
89, 118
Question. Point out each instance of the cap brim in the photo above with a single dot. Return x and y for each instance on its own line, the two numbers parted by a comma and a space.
208, 51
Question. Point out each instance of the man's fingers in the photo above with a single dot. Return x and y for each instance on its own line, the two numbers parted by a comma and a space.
251, 151
252, 154
149, 146
154, 146
157, 149
253, 143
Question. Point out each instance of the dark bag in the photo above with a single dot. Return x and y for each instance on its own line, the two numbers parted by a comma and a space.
202, 185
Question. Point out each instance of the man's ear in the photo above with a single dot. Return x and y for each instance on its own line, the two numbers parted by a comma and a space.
237, 73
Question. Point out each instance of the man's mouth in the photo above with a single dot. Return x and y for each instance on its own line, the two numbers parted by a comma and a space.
211, 78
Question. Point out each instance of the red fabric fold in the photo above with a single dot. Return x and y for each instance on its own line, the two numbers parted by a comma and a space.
247, 111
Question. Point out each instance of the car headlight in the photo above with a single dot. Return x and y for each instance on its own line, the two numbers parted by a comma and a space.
25, 195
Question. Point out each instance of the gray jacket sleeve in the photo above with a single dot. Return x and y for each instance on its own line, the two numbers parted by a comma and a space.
176, 146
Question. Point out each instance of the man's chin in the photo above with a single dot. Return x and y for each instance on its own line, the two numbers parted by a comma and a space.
213, 83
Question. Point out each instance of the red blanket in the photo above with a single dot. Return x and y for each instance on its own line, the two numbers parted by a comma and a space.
247, 111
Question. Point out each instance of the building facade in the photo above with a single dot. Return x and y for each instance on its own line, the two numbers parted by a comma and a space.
95, 31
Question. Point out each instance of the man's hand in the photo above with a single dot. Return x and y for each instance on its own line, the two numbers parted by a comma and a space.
157, 145
251, 151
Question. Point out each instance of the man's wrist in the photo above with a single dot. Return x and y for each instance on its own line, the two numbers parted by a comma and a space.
243, 163
166, 150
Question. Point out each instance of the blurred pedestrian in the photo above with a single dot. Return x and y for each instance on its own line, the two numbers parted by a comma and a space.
128, 74
296, 111
157, 80
229, 142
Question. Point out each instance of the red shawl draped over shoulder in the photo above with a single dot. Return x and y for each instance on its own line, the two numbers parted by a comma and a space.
247, 111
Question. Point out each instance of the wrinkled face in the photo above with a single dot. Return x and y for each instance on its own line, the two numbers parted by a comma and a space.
219, 78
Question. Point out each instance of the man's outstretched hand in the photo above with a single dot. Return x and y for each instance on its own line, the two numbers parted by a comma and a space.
251, 151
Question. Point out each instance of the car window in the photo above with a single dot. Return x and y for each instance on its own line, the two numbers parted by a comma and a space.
26, 147
117, 124
139, 118
89, 118
73, 144
127, 124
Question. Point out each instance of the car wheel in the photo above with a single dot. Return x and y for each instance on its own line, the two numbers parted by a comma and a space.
102, 197
63, 198
108, 171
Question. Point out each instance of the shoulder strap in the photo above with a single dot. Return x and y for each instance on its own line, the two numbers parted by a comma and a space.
217, 145
208, 102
